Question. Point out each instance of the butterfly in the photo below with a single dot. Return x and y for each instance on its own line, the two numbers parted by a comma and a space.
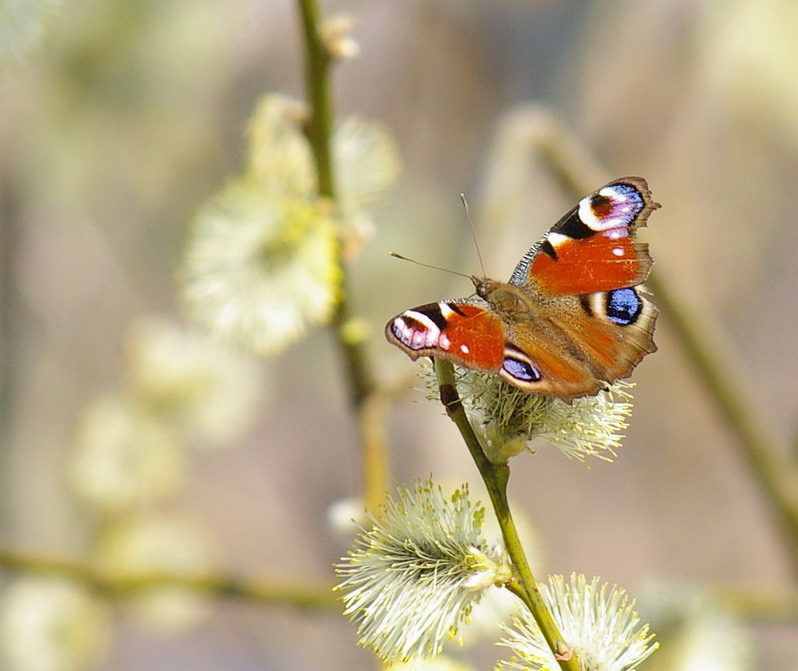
574, 316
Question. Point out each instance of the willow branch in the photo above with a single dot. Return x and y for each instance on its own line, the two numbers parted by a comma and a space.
704, 346
757, 604
318, 64
302, 593
777, 476
319, 133
317, 87
496, 477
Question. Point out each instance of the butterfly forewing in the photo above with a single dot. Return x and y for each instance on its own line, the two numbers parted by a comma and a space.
592, 248
465, 332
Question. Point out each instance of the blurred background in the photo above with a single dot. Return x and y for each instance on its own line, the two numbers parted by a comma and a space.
124, 118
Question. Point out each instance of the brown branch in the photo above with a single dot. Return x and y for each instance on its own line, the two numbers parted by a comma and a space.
287, 592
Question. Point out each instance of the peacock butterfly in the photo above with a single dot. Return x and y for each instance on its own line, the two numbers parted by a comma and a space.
574, 316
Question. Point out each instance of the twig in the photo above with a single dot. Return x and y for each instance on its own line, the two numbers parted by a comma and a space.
777, 476
496, 477
757, 604
298, 593
356, 365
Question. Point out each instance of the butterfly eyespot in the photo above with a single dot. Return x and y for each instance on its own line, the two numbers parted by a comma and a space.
611, 207
415, 330
623, 306
520, 370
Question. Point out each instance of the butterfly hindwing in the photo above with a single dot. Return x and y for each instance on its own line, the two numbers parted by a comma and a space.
588, 342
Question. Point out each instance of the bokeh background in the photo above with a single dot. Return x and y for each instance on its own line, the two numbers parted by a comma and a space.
127, 116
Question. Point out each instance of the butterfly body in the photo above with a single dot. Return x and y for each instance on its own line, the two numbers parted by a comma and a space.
574, 316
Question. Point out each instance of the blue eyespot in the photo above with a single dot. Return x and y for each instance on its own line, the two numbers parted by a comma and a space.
623, 306
629, 192
521, 370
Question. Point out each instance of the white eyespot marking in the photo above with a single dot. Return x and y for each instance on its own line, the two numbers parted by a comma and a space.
444, 342
613, 194
598, 305
557, 239
588, 216
421, 318
446, 311
618, 251
415, 330
623, 204
464, 349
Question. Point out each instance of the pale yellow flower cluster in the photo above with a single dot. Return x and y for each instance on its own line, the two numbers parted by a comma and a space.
264, 259
597, 621
52, 624
509, 421
413, 578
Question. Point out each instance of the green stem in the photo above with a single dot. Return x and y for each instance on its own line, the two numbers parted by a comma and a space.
496, 477
319, 133
317, 86
356, 365
376, 469
298, 593
776, 473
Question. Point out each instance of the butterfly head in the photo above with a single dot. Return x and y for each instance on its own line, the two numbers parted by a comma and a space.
483, 286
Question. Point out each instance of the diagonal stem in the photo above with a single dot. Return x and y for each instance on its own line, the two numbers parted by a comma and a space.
496, 477
768, 459
777, 475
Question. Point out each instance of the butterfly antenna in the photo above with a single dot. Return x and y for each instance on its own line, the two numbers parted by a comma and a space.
427, 265
473, 233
